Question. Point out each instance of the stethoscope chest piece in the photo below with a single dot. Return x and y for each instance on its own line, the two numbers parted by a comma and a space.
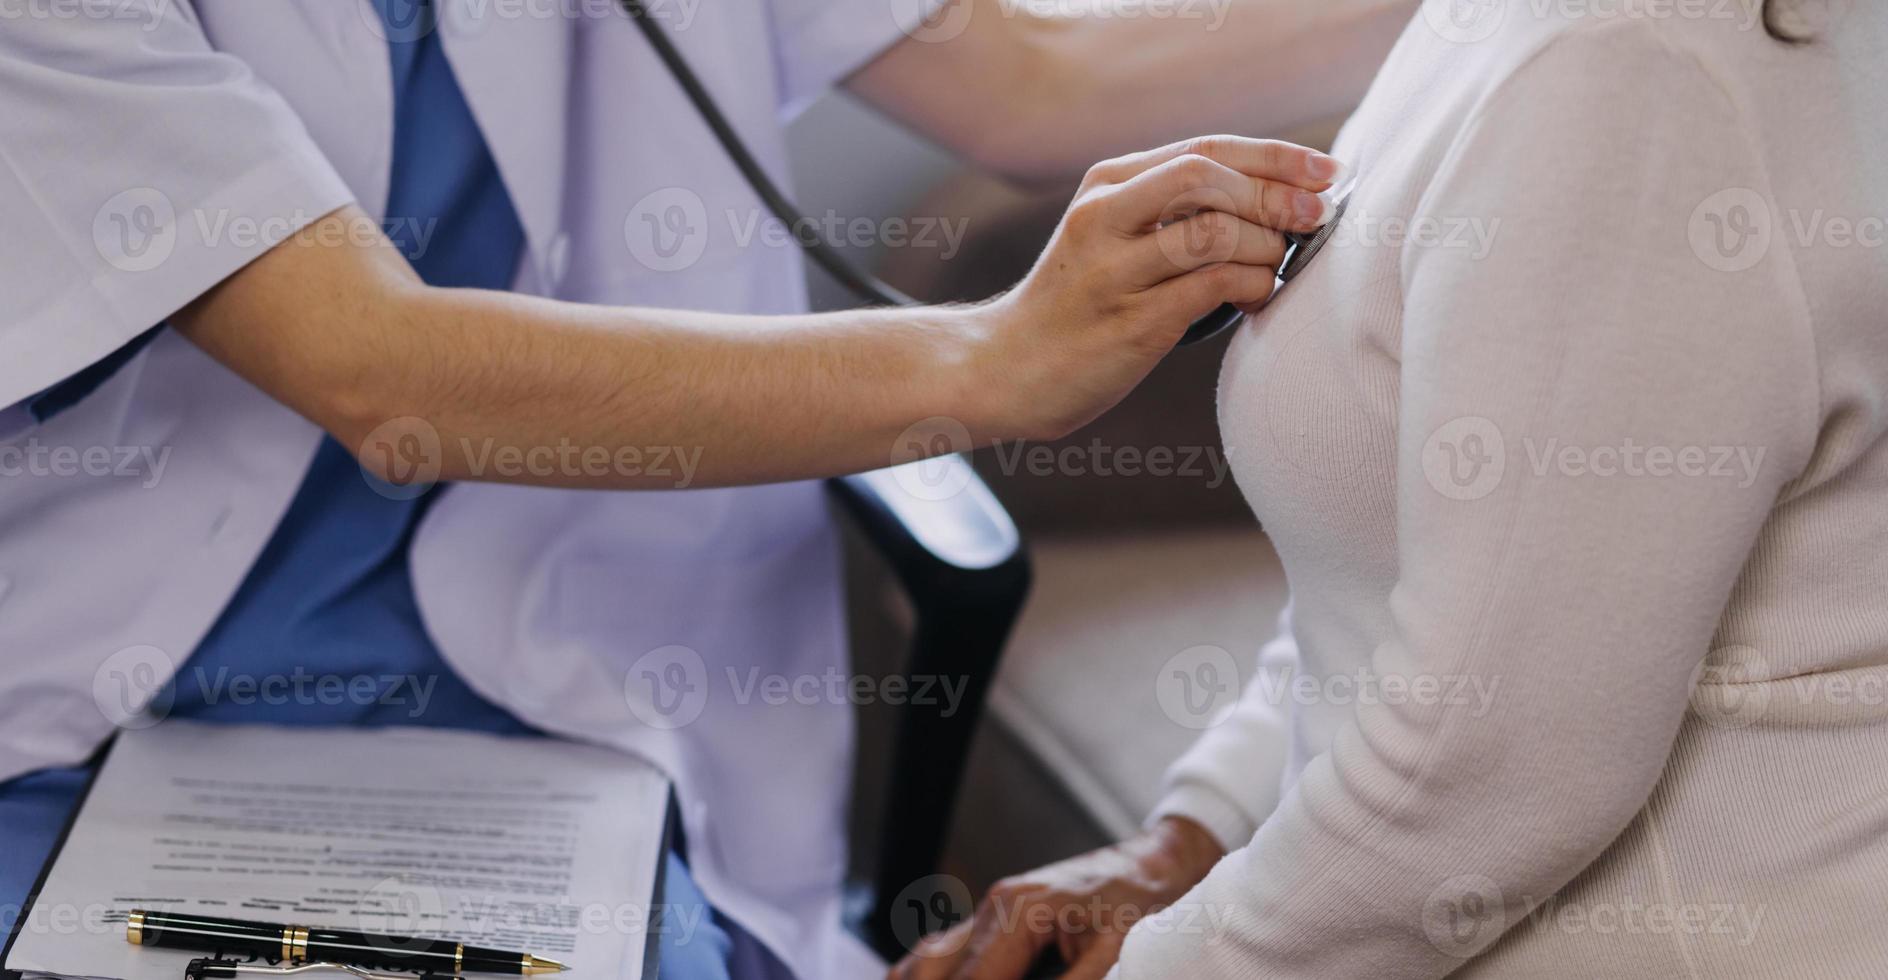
1304, 248
1300, 249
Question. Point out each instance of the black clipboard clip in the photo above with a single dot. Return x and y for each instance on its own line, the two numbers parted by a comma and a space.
212, 968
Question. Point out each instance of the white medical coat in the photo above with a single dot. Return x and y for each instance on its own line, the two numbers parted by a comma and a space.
152, 147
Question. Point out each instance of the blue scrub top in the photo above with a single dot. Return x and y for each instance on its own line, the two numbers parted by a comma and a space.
332, 593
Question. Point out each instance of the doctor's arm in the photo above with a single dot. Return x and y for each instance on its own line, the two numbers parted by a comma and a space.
1030, 93
348, 336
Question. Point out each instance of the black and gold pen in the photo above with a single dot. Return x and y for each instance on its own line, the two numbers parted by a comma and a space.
297, 944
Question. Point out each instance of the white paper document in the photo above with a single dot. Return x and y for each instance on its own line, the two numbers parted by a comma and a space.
524, 844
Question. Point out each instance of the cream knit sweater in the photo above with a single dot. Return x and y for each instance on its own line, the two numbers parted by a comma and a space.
1572, 446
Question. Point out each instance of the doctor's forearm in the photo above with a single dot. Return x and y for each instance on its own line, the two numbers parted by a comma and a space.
1034, 95
355, 343
741, 399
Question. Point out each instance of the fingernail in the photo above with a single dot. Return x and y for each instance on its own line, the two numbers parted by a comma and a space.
1309, 208
1324, 167
1343, 175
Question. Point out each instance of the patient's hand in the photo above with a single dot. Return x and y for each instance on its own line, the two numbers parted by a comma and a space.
1084, 906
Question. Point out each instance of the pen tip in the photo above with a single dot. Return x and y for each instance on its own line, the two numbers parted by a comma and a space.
540, 964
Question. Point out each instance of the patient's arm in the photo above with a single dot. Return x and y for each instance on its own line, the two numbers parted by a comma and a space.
1032, 94
1584, 604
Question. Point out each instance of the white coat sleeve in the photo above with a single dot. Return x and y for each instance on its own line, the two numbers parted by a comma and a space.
133, 156
820, 42
1586, 603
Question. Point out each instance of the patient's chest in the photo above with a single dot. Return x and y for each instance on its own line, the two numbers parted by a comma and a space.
1308, 406
1309, 391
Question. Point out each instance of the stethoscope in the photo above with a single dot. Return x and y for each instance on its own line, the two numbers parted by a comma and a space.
1301, 248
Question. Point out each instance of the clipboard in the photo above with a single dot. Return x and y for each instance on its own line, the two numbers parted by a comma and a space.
95, 763
664, 840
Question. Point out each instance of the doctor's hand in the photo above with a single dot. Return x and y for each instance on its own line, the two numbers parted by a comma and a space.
1083, 907
1151, 242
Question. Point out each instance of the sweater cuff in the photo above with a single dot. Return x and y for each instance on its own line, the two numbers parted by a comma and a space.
1229, 824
